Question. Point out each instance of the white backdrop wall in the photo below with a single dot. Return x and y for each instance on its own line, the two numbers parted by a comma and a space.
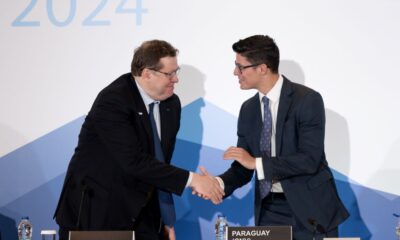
57, 55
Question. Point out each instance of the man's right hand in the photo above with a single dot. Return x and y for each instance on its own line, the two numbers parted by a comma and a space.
207, 187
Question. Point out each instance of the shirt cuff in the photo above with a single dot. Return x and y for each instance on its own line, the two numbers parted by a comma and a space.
221, 182
189, 181
259, 168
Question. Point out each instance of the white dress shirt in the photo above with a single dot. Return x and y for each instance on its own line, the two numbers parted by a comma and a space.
156, 113
273, 95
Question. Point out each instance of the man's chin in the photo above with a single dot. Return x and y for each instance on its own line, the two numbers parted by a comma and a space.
166, 95
243, 87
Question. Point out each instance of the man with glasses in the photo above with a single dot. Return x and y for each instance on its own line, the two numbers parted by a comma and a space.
119, 177
281, 137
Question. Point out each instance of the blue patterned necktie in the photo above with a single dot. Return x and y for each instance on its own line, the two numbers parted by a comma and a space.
265, 146
165, 199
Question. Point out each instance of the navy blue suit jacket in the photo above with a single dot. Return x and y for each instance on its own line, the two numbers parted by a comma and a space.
300, 163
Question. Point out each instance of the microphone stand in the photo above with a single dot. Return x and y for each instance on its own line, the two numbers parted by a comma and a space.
84, 190
314, 224
317, 227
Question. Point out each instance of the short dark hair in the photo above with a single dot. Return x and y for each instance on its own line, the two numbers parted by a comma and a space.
148, 55
259, 49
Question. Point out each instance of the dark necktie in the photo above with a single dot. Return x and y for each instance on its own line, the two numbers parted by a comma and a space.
265, 147
166, 201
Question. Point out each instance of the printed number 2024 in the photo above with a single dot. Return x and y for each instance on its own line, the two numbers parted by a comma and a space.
88, 21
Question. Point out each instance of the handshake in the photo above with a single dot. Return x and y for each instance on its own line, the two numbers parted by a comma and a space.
207, 187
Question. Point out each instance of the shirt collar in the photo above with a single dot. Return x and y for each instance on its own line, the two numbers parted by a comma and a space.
146, 98
275, 92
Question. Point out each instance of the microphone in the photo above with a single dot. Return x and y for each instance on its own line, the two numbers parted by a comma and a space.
85, 189
317, 227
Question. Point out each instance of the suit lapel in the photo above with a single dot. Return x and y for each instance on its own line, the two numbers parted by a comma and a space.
257, 123
285, 101
141, 109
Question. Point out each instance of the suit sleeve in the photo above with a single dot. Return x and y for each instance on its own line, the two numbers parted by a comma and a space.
302, 140
116, 128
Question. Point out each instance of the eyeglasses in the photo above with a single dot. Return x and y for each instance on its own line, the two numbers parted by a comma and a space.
241, 68
168, 75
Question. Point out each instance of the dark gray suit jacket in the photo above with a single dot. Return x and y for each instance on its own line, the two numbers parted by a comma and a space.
300, 163
114, 163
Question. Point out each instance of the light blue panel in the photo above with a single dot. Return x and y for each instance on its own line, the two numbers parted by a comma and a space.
31, 178
38, 204
204, 123
371, 211
38, 162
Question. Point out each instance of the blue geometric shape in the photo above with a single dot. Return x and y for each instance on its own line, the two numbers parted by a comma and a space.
38, 204
37, 162
370, 211
31, 178
204, 123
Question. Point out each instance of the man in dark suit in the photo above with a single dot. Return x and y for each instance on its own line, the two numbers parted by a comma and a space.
281, 137
119, 177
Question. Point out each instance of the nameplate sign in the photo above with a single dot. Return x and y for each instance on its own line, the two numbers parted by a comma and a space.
260, 233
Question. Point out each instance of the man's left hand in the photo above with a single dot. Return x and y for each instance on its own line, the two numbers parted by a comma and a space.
242, 156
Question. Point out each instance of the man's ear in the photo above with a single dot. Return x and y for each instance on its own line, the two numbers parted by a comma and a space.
145, 74
264, 69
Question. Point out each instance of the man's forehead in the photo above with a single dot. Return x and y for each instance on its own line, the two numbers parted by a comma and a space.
169, 63
241, 59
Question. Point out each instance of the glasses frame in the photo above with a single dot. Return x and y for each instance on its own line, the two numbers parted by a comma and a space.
241, 68
168, 75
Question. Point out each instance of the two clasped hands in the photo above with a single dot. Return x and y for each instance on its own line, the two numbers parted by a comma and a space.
211, 188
